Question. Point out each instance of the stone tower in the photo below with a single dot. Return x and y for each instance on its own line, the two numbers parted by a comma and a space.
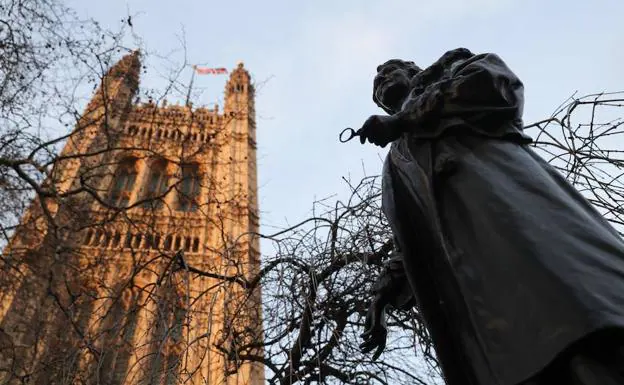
134, 269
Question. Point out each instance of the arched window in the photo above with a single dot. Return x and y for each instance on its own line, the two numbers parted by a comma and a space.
168, 240
149, 241
177, 322
167, 329
128, 240
120, 324
137, 241
88, 238
133, 130
106, 239
189, 188
123, 182
156, 184
116, 239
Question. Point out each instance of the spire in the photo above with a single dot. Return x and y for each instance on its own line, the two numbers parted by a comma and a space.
119, 85
239, 76
238, 89
129, 67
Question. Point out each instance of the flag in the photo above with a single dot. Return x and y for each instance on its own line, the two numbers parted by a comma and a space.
208, 71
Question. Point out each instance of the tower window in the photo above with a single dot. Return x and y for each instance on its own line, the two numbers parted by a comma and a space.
189, 188
168, 240
106, 239
123, 182
137, 241
156, 185
116, 239
128, 240
87, 239
149, 241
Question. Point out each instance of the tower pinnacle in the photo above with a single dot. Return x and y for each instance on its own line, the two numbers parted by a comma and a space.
129, 67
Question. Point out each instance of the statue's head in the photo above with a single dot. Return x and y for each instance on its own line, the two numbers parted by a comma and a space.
392, 84
397, 78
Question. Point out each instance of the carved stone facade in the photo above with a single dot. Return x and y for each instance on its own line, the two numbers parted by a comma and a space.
96, 293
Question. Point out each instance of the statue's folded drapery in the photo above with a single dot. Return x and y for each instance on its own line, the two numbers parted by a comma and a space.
509, 263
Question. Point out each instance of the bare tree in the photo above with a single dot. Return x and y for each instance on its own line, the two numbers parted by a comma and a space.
583, 140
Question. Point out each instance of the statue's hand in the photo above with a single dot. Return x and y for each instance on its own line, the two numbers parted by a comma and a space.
375, 332
379, 130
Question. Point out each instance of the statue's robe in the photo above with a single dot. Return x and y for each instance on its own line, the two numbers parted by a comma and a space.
510, 264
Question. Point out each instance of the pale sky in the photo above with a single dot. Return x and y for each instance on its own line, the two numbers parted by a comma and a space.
321, 56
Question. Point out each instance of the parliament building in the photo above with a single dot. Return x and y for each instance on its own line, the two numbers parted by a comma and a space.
132, 264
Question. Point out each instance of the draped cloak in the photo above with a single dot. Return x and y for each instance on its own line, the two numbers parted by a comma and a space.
508, 262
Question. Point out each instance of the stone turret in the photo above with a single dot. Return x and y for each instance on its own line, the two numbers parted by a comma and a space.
118, 87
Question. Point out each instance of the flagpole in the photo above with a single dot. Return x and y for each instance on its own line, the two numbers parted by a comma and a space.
188, 95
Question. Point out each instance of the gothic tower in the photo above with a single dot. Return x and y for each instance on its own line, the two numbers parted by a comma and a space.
134, 269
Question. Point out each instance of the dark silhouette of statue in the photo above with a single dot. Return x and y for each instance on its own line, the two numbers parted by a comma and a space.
519, 279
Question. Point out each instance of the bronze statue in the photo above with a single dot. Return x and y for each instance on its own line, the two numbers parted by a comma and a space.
519, 278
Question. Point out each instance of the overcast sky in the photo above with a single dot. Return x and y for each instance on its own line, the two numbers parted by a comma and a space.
320, 57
